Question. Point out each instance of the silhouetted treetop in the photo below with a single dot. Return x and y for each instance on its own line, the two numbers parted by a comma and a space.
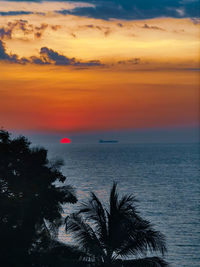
30, 200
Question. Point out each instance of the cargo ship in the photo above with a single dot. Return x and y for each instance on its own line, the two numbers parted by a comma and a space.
107, 141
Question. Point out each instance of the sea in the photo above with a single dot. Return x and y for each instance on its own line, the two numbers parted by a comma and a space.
163, 177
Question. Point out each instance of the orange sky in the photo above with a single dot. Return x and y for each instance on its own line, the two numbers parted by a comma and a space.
59, 98
146, 76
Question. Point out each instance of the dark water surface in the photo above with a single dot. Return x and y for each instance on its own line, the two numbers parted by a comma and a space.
163, 177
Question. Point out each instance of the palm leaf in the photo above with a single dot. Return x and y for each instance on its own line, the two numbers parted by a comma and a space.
85, 236
94, 212
146, 262
139, 237
113, 199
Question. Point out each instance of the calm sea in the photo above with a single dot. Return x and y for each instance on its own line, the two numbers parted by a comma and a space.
163, 177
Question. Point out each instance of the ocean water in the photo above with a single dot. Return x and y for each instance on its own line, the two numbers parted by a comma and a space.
163, 177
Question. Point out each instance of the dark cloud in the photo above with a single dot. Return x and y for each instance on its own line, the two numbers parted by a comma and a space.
55, 27
42, 27
38, 61
90, 26
27, 28
149, 27
10, 58
120, 25
73, 35
137, 9
128, 9
132, 61
105, 30
51, 56
108, 32
22, 25
5, 56
15, 13
38, 35
5, 33
47, 57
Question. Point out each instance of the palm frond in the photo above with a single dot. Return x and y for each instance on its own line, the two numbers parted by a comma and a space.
121, 213
85, 236
146, 262
139, 237
113, 218
113, 198
93, 210
126, 205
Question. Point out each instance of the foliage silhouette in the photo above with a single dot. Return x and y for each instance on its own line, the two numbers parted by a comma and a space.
108, 236
30, 202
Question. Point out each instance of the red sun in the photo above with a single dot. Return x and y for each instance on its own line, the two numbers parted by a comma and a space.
65, 141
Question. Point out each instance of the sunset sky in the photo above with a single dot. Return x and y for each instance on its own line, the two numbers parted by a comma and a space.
89, 66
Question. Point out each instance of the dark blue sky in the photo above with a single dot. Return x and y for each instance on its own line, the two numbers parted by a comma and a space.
136, 9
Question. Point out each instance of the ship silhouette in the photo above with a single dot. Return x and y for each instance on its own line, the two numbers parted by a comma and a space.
108, 141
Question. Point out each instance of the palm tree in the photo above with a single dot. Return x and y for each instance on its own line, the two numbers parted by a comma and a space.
108, 236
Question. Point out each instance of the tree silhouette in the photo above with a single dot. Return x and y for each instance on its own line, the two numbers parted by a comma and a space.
30, 201
108, 236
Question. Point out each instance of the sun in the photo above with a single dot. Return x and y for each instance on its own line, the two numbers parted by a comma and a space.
65, 141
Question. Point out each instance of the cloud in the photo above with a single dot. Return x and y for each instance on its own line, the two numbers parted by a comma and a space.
7, 31
15, 13
196, 21
120, 25
38, 35
132, 61
105, 9
6, 57
47, 57
22, 25
55, 27
40, 29
137, 9
146, 26
104, 29
42, 6
73, 35
51, 56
